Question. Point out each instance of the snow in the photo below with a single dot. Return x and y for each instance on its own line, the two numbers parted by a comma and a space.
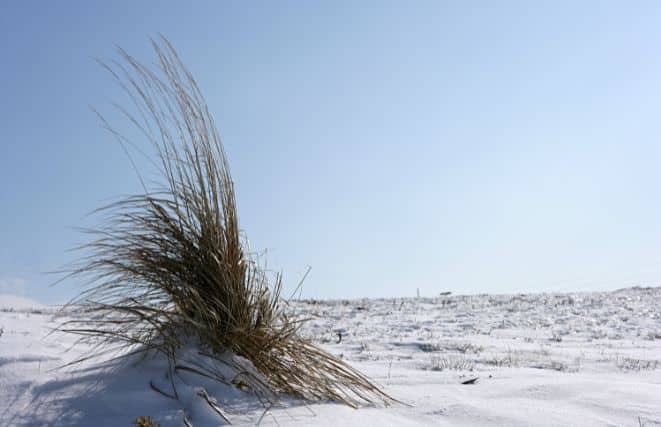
584, 359
15, 302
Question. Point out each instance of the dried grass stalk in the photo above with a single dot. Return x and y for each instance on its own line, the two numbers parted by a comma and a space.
171, 262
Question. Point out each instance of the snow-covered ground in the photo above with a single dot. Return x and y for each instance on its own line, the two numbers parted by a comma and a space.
545, 359
17, 303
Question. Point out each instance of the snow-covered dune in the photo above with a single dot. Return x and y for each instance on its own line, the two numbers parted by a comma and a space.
588, 359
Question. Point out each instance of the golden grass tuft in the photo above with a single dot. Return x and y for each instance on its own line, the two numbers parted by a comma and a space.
143, 421
170, 265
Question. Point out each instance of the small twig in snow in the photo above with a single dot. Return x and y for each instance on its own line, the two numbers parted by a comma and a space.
212, 403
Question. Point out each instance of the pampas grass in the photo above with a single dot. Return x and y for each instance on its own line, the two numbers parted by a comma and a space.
170, 266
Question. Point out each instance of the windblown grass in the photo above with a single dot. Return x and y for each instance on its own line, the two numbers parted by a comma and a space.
171, 266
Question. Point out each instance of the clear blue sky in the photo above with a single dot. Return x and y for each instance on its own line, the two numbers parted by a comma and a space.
463, 146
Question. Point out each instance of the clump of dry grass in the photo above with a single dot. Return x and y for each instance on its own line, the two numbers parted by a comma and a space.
451, 363
145, 422
170, 265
